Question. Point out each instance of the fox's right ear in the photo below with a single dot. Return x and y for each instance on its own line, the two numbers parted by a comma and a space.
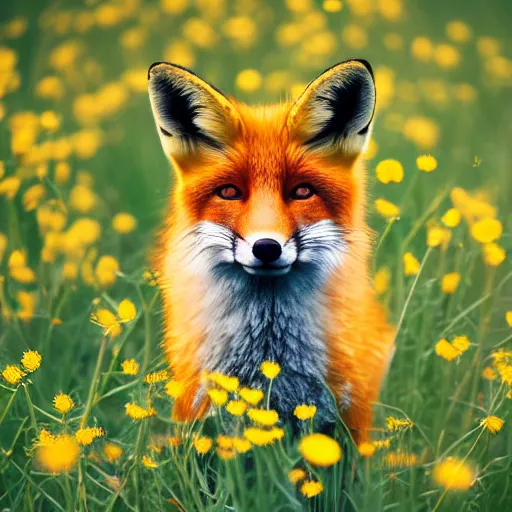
191, 116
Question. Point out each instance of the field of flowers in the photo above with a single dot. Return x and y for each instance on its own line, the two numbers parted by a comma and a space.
85, 393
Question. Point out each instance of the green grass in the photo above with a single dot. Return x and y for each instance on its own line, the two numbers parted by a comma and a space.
444, 399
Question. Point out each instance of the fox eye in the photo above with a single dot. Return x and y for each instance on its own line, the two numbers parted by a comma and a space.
302, 191
229, 192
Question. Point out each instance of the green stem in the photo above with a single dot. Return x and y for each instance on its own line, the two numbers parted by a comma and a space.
30, 407
8, 406
268, 393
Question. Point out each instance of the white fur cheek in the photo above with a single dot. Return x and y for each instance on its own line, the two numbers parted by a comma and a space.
244, 255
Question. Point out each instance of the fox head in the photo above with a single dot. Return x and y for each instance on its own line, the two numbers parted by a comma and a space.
267, 190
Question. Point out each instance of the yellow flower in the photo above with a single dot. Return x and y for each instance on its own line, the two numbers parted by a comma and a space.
126, 310
424, 132
226, 454
45, 437
437, 236
155, 377
296, 475
458, 31
225, 442
33, 196
124, 223
60, 455
446, 56
63, 403
270, 369
489, 374
332, 5
305, 412
366, 449
426, 163
397, 424
218, 396
50, 121
411, 264
494, 254
446, 350
224, 381
486, 231
311, 488
461, 343
241, 445
112, 452
85, 436
451, 218
9, 186
492, 423
137, 412
400, 459
236, 407
50, 87
263, 416
203, 444
249, 80
386, 208
130, 367
390, 170
254, 396
106, 319
453, 474
508, 318
148, 462
82, 199
259, 436
12, 374
174, 388
106, 270
31, 360
381, 280
382, 443
320, 450
450, 282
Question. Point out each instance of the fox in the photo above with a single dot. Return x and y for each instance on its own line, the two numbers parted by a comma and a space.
265, 250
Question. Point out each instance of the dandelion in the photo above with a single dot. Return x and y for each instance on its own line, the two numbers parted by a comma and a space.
366, 449
124, 223
63, 403
174, 388
389, 170
453, 474
426, 163
259, 436
251, 396
225, 442
45, 437
386, 208
226, 454
218, 396
112, 452
305, 412
106, 270
446, 350
85, 436
249, 80
13, 374
438, 236
106, 319
155, 377
224, 381
494, 254
381, 280
203, 444
311, 488
126, 310
263, 416
296, 475
130, 367
397, 424
411, 264
461, 343
332, 5
31, 360
320, 450
486, 231
241, 445
60, 455
137, 412
508, 318
270, 369
50, 121
236, 407
451, 218
489, 374
149, 462
492, 423
450, 282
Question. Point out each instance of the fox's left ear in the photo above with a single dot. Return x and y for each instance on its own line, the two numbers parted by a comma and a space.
334, 114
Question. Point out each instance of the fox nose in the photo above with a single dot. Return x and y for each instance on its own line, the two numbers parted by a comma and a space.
267, 250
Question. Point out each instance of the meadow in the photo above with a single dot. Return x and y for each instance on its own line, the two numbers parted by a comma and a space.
85, 393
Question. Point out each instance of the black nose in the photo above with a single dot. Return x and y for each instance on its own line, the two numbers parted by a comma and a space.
266, 250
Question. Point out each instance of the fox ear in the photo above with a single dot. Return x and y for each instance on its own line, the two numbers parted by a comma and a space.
335, 112
191, 115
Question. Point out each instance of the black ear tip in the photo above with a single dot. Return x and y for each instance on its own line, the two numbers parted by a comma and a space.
154, 65
365, 63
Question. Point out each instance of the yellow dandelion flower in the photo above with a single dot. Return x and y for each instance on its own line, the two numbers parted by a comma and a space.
386, 208
270, 369
411, 264
218, 396
426, 163
85, 436
489, 374
241, 445
31, 360
508, 318
203, 444
45, 437
225, 442
174, 388
106, 271
226, 454
446, 56
332, 5
438, 236
494, 254
58, 456
126, 310
366, 449
311, 488
112, 452
149, 462
13, 374
446, 350
224, 381
236, 407
249, 80
450, 282
130, 367
400, 459
137, 412
296, 475
305, 412
453, 474
33, 196
492, 423
63, 403
124, 223
389, 170
398, 424
155, 377
259, 436
277, 433
486, 231
451, 218
50, 121
320, 450
253, 396
461, 343
263, 416
381, 280
458, 31
106, 319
